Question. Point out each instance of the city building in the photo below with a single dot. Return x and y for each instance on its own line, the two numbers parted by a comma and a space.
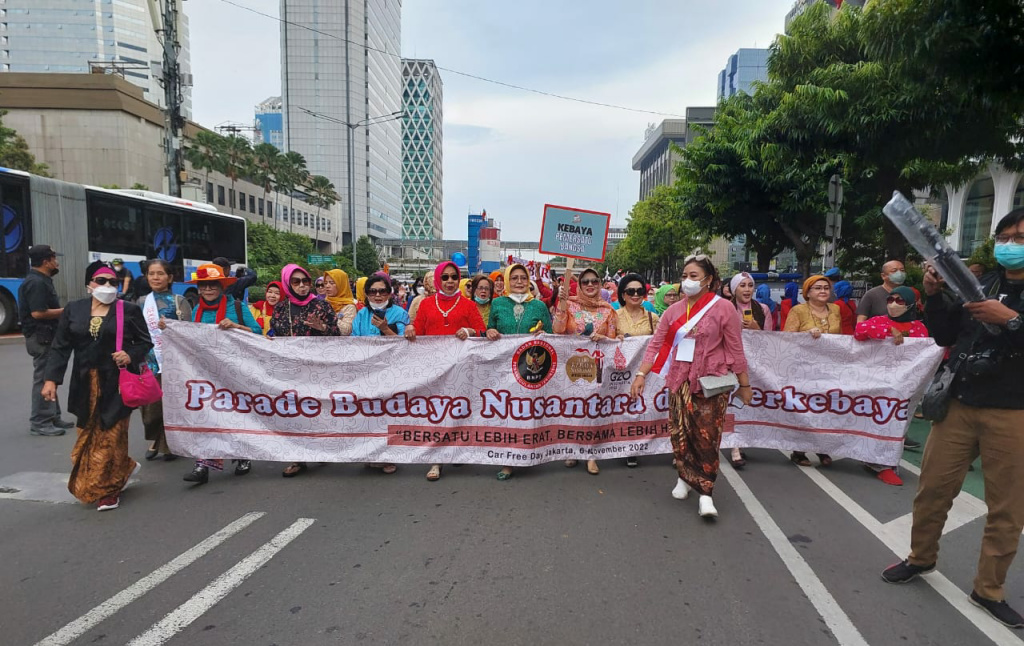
801, 6
341, 81
86, 36
656, 160
422, 136
270, 123
743, 68
98, 130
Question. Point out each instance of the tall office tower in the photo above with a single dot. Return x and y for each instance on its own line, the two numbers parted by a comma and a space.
743, 68
83, 36
341, 82
422, 136
270, 122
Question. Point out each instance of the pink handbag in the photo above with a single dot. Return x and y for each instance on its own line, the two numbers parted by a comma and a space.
136, 389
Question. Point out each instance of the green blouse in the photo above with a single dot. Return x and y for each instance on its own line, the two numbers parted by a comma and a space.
509, 317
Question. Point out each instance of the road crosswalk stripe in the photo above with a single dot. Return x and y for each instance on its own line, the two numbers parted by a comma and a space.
86, 622
186, 613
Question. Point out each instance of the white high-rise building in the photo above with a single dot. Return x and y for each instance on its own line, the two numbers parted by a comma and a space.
341, 77
422, 137
80, 36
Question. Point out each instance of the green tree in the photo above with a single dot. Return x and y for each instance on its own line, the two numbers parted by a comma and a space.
266, 159
203, 153
324, 195
236, 160
291, 174
15, 153
139, 186
366, 252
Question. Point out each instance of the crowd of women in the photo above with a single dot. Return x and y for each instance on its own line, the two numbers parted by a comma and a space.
694, 326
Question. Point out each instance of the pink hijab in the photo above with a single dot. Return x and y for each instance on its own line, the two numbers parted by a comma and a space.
286, 279
438, 272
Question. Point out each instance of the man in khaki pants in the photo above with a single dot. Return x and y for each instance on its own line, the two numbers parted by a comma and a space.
986, 418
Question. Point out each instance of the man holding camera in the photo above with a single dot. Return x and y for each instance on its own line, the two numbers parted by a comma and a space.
986, 418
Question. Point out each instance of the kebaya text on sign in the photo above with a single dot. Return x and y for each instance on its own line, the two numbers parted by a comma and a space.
574, 233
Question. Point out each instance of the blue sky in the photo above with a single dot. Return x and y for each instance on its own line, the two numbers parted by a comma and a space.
506, 150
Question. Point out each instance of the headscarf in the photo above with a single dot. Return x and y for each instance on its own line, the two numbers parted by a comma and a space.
344, 297
508, 280
810, 282
844, 291
286, 279
590, 302
464, 287
103, 271
429, 287
756, 310
792, 289
763, 295
910, 299
361, 289
659, 297
317, 284
438, 272
496, 273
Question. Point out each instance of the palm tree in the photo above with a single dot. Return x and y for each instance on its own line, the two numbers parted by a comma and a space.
237, 159
266, 159
324, 196
294, 166
204, 153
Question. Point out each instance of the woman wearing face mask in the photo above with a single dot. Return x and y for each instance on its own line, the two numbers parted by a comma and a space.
215, 307
482, 290
900, 323
665, 297
517, 312
301, 313
753, 316
446, 313
815, 316
88, 329
263, 310
158, 306
700, 336
587, 315
338, 294
380, 317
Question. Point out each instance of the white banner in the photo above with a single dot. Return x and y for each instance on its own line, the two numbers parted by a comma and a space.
516, 401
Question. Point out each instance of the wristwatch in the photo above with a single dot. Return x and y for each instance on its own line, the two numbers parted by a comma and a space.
1015, 323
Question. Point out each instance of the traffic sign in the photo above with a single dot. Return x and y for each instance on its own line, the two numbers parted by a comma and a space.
319, 259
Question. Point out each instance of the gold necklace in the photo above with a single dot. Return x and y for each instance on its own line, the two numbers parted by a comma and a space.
445, 314
821, 322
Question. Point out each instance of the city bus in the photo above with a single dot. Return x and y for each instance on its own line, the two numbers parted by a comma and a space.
86, 223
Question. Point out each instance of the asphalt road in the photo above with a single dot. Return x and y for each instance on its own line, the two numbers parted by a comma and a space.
344, 555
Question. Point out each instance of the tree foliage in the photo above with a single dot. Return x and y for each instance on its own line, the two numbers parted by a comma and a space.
15, 154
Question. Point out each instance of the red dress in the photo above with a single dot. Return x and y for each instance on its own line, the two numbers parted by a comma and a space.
462, 313
880, 327
848, 314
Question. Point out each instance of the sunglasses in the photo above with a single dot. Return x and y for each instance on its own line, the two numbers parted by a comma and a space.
383, 291
590, 281
103, 280
633, 291
699, 258
300, 281
895, 299
449, 276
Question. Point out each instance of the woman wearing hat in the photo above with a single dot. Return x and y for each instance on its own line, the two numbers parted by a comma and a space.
301, 313
88, 328
220, 309
815, 316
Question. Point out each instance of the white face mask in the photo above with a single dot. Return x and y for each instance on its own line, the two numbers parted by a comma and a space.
898, 277
420, 291
105, 294
692, 287
519, 298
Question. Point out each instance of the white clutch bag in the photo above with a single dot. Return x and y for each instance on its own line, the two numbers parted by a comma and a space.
712, 385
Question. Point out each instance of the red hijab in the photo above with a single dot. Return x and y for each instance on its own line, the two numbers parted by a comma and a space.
438, 272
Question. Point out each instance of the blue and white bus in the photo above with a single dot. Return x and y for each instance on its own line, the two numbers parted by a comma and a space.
86, 223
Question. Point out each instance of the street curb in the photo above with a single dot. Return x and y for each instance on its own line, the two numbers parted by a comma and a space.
11, 339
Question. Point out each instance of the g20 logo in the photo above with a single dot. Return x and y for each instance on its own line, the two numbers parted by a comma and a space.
163, 243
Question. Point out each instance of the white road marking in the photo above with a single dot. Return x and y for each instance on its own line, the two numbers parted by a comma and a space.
815, 591
86, 622
899, 543
186, 613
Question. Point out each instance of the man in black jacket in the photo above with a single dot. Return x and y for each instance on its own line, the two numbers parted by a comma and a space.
246, 278
986, 418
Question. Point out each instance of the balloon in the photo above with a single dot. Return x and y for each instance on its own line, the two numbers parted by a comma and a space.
459, 259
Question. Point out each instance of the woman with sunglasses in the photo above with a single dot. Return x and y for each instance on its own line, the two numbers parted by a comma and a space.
634, 319
585, 314
481, 289
900, 323
216, 307
380, 316
320, 288
815, 316
446, 313
159, 305
88, 329
338, 294
301, 313
700, 336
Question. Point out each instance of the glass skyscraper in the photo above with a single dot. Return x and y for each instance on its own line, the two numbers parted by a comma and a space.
743, 68
422, 135
341, 77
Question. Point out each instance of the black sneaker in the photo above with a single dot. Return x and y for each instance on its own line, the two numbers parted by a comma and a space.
911, 444
198, 474
1000, 611
904, 572
242, 467
632, 462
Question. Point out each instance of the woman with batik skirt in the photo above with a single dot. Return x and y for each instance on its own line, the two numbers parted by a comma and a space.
101, 465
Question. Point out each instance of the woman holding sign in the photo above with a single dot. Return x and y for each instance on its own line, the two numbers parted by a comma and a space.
587, 315
697, 339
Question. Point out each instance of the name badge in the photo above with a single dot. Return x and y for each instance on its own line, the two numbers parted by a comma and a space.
684, 350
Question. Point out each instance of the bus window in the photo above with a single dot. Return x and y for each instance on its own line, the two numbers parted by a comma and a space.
115, 226
17, 227
207, 237
163, 237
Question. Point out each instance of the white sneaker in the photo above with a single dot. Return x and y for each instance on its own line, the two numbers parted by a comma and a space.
682, 490
707, 507
135, 472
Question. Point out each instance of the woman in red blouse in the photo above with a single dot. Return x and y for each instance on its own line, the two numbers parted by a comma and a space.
446, 313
